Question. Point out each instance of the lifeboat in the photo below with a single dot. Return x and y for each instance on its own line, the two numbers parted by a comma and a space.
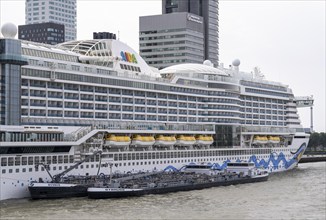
162, 140
183, 140
204, 140
274, 139
117, 140
260, 140
139, 140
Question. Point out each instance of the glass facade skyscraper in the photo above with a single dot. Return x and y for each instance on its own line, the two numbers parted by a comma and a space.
57, 11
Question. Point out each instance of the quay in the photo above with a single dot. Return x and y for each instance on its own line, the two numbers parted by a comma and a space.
313, 158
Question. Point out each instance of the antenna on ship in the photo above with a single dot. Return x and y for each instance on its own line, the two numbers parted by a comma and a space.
119, 35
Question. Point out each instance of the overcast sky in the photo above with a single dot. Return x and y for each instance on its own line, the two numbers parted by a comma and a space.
285, 39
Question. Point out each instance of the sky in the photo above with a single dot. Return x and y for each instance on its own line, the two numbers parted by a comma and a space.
285, 39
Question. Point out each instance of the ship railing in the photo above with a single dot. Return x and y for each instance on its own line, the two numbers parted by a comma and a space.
141, 77
204, 76
79, 133
256, 129
265, 85
123, 126
222, 79
163, 126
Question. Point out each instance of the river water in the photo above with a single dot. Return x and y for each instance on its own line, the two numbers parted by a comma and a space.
296, 194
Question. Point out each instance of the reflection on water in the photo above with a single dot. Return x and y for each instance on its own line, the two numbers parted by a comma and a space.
296, 194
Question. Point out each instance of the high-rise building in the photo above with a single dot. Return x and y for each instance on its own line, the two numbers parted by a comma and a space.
210, 14
191, 6
57, 11
171, 39
208, 9
48, 33
205, 11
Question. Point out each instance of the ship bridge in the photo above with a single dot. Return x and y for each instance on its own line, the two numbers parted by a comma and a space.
303, 102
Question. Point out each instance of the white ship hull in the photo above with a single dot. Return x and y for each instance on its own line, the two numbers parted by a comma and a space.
142, 143
14, 184
117, 143
203, 143
76, 95
185, 143
165, 143
274, 142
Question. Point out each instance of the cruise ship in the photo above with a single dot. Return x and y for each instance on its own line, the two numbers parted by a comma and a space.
60, 104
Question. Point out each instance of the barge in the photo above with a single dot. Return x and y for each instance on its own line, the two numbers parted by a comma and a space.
62, 186
167, 182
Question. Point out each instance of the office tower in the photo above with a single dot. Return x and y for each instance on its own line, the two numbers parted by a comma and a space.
210, 14
191, 6
104, 35
56, 11
171, 39
48, 33
205, 11
208, 9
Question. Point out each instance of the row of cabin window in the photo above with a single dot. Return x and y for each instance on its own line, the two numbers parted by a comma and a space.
11, 161
23, 170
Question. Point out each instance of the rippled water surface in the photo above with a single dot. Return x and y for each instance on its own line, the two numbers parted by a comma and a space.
296, 194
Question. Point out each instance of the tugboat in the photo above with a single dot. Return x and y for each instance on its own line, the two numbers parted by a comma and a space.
166, 182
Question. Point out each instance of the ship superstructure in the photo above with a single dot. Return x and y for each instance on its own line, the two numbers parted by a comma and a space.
67, 101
